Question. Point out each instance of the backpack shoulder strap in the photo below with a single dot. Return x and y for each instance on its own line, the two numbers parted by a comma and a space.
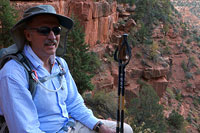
29, 72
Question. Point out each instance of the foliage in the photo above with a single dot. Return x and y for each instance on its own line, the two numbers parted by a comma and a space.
197, 72
185, 31
189, 41
141, 129
103, 104
185, 49
165, 28
170, 93
152, 10
184, 66
8, 16
189, 118
138, 54
191, 62
197, 38
188, 75
130, 2
163, 42
154, 50
166, 50
178, 96
189, 85
145, 108
149, 13
176, 120
196, 101
82, 63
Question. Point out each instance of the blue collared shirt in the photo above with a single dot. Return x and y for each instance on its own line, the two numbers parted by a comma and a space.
48, 111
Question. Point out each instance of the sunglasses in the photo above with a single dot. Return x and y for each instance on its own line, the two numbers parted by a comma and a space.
46, 30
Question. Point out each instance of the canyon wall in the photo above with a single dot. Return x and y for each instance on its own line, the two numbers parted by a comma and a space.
97, 18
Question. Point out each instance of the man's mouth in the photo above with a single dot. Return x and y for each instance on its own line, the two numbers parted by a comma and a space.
50, 43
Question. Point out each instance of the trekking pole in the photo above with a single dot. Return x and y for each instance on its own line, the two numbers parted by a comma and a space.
122, 55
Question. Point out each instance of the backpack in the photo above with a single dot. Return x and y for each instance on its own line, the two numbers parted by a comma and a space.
12, 52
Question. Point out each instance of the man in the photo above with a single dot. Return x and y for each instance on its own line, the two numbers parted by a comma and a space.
56, 100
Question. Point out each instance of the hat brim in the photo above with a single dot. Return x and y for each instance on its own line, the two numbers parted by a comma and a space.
17, 31
63, 20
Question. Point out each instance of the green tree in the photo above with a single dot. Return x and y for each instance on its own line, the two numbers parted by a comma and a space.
82, 63
8, 16
145, 108
176, 120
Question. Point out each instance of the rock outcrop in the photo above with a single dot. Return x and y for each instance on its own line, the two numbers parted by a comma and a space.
97, 18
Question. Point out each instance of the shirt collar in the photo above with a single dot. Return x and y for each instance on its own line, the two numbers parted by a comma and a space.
35, 60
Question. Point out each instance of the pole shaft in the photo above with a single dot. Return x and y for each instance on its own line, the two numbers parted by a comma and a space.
122, 99
119, 100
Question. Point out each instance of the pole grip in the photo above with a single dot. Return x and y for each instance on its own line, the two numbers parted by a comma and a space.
122, 55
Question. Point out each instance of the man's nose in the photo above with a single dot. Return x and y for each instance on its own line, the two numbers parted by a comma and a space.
51, 35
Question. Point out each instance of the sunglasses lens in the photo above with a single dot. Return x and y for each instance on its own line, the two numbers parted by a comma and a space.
56, 30
44, 30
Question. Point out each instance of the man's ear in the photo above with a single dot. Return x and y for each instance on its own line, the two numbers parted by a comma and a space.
27, 34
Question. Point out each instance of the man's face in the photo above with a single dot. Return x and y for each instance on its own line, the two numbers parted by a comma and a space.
44, 45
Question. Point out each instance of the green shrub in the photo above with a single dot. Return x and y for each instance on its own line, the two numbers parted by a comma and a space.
166, 50
143, 34
189, 41
191, 62
197, 100
138, 54
184, 66
8, 16
176, 120
186, 50
178, 97
188, 75
141, 129
108, 57
165, 28
145, 108
197, 72
189, 85
103, 104
184, 33
189, 118
170, 92
163, 42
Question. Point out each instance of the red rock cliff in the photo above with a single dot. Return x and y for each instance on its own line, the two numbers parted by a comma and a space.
97, 18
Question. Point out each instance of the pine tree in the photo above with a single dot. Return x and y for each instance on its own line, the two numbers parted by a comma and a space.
145, 108
8, 16
81, 62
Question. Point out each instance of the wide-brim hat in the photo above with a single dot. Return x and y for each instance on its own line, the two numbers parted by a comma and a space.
17, 31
